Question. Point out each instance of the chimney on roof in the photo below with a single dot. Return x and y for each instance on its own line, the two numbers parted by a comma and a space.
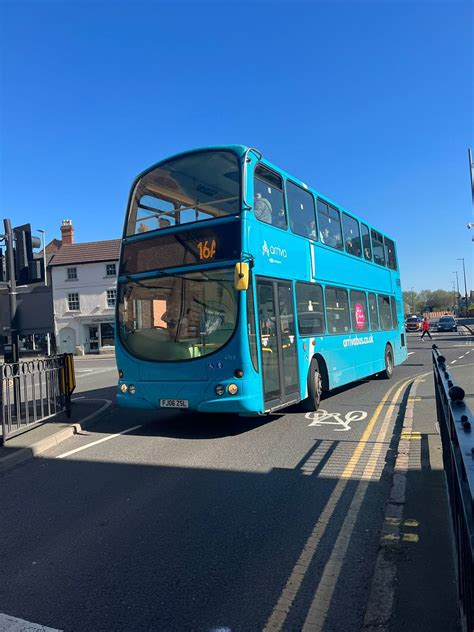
67, 232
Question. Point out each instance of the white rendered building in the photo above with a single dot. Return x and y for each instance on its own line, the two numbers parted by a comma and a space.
84, 282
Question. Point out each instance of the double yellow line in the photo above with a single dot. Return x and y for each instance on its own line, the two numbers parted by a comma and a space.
325, 590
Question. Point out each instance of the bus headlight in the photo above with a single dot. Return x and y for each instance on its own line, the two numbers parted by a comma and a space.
123, 388
233, 389
220, 390
132, 390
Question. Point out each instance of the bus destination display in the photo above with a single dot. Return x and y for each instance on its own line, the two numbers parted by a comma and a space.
203, 245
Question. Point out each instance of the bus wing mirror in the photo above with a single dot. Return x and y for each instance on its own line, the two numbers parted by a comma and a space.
241, 276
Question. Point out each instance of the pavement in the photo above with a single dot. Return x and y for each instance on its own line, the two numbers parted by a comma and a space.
35, 441
171, 521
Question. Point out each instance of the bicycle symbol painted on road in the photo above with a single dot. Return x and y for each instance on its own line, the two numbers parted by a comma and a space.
322, 418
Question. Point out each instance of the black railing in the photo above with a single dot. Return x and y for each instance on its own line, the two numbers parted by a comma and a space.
34, 391
456, 423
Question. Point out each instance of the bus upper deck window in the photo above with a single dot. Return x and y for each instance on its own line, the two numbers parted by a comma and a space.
329, 221
189, 188
390, 252
378, 248
269, 202
351, 235
301, 211
366, 242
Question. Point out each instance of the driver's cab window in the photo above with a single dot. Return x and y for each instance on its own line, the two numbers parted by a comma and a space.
269, 201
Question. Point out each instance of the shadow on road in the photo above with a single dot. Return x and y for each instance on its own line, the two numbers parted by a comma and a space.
121, 545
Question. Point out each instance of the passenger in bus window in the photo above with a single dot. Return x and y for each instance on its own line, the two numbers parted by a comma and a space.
280, 219
263, 209
327, 238
312, 230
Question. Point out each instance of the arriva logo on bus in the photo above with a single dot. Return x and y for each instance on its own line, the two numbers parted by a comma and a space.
273, 250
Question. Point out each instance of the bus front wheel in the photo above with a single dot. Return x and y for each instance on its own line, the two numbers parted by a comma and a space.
388, 371
315, 388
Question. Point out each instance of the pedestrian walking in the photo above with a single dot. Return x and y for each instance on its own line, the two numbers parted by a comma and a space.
426, 328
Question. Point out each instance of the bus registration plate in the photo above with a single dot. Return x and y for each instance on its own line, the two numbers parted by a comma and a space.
174, 403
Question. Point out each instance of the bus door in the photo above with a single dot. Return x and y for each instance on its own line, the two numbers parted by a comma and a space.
277, 342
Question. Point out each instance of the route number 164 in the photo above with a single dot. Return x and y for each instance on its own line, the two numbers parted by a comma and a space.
207, 250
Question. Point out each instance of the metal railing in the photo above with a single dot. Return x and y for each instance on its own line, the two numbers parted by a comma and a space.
457, 436
34, 391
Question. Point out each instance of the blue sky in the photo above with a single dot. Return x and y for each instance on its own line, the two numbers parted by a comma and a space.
371, 103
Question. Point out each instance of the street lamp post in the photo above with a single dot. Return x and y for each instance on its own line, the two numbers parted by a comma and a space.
465, 284
412, 299
457, 281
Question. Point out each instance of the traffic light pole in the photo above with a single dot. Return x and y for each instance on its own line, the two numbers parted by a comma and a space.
11, 278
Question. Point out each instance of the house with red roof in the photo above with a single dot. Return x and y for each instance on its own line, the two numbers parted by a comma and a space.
84, 282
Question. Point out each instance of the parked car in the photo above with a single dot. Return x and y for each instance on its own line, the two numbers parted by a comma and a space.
447, 323
413, 323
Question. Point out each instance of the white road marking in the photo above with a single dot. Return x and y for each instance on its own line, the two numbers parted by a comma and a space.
89, 445
454, 361
411, 353
12, 624
320, 417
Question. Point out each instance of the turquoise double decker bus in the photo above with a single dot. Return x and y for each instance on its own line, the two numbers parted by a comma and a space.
243, 290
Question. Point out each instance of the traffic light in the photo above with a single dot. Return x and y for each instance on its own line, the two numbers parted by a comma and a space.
26, 268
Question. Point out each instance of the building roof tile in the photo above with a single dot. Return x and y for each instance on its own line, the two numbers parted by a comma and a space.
87, 252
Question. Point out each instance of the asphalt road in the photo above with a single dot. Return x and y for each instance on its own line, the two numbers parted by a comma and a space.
191, 522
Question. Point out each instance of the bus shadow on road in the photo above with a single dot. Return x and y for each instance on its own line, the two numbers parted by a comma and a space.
171, 423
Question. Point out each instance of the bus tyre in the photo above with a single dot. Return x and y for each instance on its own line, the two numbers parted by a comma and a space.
388, 371
315, 388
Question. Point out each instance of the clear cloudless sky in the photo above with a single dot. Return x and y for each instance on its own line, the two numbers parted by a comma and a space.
369, 102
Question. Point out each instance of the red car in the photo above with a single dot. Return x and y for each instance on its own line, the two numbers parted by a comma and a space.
413, 323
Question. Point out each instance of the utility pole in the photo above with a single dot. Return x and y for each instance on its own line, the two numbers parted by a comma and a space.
465, 284
457, 281
412, 299
11, 354
471, 171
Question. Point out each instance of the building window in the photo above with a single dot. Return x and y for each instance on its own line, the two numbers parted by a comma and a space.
71, 274
111, 269
107, 334
301, 210
310, 310
73, 302
111, 298
269, 203
329, 225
